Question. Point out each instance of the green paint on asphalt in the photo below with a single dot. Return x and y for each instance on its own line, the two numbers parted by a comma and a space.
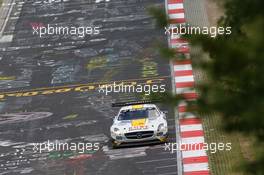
68, 154
72, 116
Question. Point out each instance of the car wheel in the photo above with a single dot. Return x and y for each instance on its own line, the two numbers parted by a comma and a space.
165, 139
114, 145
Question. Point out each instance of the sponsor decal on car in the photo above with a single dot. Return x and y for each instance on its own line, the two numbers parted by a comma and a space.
137, 107
138, 124
137, 128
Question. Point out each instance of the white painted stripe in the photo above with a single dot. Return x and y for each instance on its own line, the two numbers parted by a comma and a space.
166, 166
188, 78
195, 167
184, 90
6, 38
156, 160
186, 115
194, 127
179, 45
192, 140
176, 15
175, 6
182, 67
174, 35
176, 45
182, 103
169, 173
115, 157
193, 153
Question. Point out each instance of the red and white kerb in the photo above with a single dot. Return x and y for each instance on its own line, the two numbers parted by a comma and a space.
195, 160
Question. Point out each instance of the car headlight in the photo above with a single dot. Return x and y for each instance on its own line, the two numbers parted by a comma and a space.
161, 127
117, 131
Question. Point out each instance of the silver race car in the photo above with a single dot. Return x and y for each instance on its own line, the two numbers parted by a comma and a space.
139, 123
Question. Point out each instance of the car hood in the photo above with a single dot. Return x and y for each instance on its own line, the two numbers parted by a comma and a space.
136, 125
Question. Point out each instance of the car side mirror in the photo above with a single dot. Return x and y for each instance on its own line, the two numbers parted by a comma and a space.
165, 112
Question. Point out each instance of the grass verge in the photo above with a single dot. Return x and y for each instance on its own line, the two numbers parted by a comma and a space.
225, 162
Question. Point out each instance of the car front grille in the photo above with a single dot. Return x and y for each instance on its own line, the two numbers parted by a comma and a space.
139, 134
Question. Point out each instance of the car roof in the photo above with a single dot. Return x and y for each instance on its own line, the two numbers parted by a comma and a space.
141, 106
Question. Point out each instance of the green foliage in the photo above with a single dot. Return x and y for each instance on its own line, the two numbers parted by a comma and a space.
160, 15
166, 52
235, 72
166, 98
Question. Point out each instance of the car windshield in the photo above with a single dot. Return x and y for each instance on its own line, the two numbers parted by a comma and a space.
138, 114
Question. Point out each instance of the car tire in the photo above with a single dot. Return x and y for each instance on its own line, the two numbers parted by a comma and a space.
113, 144
166, 139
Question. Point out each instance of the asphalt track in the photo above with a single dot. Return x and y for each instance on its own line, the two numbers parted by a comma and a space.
43, 87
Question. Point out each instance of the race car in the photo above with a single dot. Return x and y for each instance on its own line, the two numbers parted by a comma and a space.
139, 123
